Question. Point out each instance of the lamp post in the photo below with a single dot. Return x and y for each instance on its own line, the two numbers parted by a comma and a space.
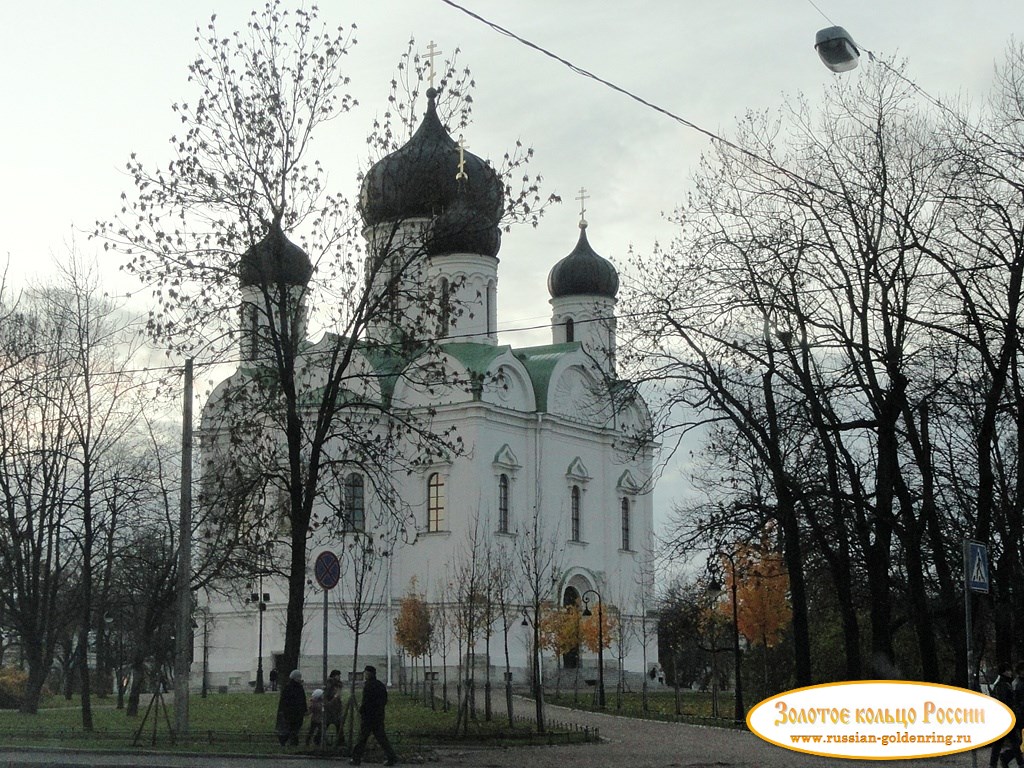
538, 678
206, 649
715, 591
119, 679
739, 711
261, 599
600, 640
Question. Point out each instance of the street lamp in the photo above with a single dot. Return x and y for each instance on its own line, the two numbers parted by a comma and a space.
600, 640
261, 598
119, 678
538, 665
836, 48
714, 591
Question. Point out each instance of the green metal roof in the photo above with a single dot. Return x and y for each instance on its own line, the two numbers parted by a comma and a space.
476, 357
540, 362
388, 363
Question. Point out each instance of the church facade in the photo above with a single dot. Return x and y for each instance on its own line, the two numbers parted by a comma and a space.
549, 451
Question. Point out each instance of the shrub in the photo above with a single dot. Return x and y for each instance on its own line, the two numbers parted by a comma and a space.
12, 687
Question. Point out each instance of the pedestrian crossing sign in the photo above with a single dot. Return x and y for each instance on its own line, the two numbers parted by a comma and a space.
976, 566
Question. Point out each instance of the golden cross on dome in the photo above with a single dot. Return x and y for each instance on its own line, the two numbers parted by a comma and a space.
432, 53
583, 197
461, 175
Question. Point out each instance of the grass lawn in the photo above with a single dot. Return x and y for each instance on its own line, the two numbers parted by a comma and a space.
240, 723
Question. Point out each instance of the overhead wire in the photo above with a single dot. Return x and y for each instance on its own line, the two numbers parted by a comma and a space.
650, 105
639, 99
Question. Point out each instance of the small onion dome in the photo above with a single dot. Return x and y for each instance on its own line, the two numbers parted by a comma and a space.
275, 259
583, 273
462, 229
418, 180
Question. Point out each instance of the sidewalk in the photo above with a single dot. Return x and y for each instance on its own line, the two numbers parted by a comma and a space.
626, 742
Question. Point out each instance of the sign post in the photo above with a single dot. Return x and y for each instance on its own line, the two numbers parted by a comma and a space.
976, 579
327, 570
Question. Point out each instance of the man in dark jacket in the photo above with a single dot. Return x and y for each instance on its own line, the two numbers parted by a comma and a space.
291, 710
1002, 749
1018, 713
371, 717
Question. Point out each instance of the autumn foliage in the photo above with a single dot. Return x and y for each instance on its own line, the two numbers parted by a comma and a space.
762, 587
564, 629
413, 627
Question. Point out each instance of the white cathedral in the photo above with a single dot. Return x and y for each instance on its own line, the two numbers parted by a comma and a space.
547, 444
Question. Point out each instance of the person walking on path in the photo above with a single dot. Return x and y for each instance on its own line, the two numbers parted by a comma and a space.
1017, 689
371, 718
333, 706
316, 718
291, 710
1002, 749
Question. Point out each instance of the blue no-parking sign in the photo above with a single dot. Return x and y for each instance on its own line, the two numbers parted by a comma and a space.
327, 569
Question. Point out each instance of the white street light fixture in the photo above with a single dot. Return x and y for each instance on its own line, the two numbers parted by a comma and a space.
836, 48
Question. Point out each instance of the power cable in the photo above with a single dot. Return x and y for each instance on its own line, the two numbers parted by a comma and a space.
639, 99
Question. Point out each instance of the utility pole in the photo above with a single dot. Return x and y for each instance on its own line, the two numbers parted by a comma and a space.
183, 635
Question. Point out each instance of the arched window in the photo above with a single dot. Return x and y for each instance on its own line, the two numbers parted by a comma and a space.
577, 514
625, 524
570, 330
435, 502
503, 504
355, 505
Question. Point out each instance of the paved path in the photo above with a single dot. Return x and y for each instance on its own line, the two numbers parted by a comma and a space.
626, 743
633, 743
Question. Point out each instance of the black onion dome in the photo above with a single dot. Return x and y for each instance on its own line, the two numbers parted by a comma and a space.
275, 259
418, 180
461, 229
583, 273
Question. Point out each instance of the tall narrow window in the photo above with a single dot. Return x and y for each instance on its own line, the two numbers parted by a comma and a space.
392, 293
446, 306
577, 514
251, 329
625, 524
570, 330
492, 308
355, 504
503, 504
435, 503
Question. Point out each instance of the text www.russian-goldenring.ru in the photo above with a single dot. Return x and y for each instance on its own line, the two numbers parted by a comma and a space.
885, 739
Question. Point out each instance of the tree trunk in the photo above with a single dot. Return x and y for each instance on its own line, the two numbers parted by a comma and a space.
487, 678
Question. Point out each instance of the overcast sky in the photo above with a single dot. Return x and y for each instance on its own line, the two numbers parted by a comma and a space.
86, 83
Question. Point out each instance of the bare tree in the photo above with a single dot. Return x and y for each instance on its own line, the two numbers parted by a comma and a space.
503, 588
245, 171
35, 496
97, 347
539, 559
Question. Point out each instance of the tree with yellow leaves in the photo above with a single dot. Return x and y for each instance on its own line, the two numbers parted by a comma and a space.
762, 587
762, 600
413, 626
560, 632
